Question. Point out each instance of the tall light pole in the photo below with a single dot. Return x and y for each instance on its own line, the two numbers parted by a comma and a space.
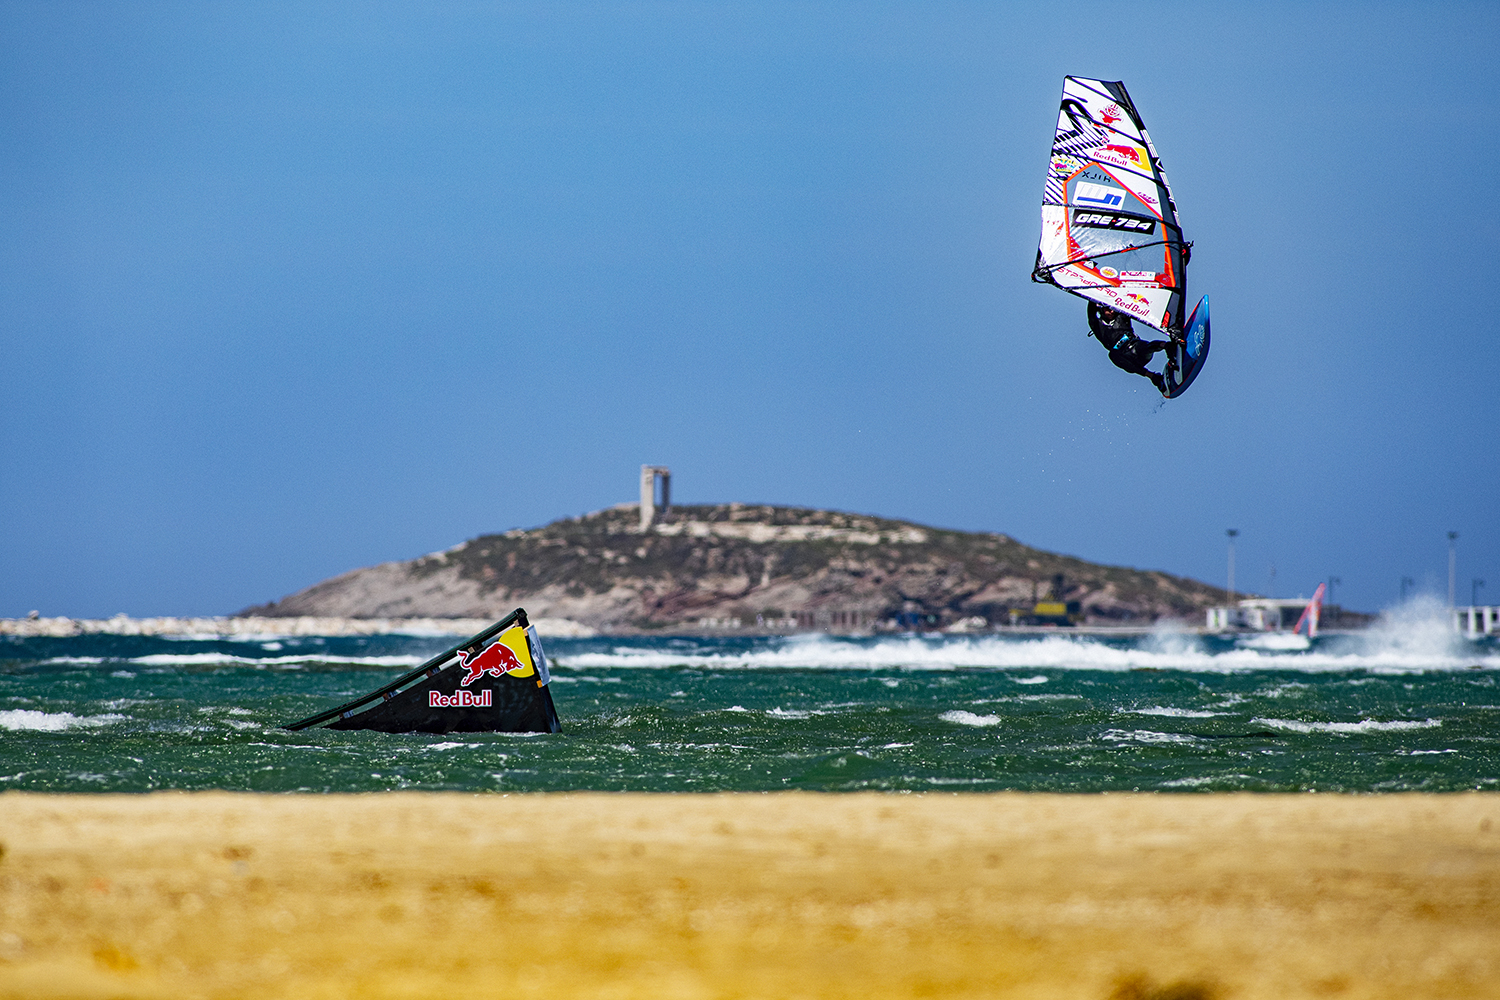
1452, 568
1231, 532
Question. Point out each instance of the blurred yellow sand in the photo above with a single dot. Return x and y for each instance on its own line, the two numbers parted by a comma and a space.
783, 895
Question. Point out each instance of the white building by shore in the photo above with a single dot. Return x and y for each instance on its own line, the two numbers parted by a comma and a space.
1477, 620
1263, 614
1275, 614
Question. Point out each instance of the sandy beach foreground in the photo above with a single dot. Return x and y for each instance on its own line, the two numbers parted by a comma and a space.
782, 895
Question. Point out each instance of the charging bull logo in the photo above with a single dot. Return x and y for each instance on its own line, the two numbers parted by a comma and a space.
497, 660
1134, 155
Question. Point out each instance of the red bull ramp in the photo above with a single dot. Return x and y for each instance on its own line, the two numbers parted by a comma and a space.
493, 682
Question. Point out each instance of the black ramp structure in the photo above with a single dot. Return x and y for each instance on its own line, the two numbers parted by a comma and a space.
493, 682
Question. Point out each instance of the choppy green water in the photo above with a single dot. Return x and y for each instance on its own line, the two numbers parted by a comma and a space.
1412, 708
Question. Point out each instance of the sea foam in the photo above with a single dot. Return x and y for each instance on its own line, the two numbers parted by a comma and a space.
1349, 728
1380, 651
51, 722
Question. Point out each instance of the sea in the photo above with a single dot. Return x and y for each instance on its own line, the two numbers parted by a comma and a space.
1405, 706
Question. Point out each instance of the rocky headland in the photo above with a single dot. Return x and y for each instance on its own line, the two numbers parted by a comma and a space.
749, 567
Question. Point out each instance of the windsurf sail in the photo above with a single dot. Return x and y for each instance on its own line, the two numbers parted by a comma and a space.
1109, 225
493, 682
1312, 612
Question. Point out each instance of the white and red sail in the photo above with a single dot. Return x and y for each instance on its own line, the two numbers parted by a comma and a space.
1109, 225
1312, 612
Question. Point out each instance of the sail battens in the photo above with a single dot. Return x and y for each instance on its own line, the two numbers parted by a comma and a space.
1109, 225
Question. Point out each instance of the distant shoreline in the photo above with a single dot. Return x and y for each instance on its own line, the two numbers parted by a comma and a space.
563, 628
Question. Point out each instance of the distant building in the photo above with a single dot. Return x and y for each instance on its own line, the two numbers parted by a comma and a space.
1477, 621
1265, 614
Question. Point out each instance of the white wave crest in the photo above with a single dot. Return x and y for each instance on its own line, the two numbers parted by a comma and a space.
1349, 728
51, 722
1175, 713
793, 713
1145, 736
1377, 651
1016, 699
1277, 642
1199, 782
970, 719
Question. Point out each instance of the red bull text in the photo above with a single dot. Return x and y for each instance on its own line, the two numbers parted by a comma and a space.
497, 659
1127, 153
461, 699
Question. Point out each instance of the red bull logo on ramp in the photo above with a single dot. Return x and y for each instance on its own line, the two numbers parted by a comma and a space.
496, 660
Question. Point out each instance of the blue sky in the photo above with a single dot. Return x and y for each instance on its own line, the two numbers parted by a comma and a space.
290, 289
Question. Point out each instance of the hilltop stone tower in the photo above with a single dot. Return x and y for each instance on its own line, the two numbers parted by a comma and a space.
649, 476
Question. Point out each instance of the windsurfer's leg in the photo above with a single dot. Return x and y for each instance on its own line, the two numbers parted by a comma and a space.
1130, 358
1138, 368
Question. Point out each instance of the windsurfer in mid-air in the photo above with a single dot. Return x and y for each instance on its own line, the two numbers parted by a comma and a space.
1114, 330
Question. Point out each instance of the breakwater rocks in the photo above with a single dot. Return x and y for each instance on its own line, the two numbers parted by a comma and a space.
742, 567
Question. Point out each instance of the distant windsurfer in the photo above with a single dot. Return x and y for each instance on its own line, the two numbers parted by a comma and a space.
1126, 350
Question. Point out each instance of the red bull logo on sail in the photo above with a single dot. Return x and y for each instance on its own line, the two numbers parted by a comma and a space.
1130, 153
461, 699
497, 660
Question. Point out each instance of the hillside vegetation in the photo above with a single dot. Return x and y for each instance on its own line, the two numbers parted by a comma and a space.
735, 565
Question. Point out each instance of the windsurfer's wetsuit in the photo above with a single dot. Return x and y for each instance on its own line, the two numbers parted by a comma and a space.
1126, 350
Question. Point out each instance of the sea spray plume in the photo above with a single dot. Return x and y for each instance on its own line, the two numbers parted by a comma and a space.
1171, 639
1417, 629
1415, 635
